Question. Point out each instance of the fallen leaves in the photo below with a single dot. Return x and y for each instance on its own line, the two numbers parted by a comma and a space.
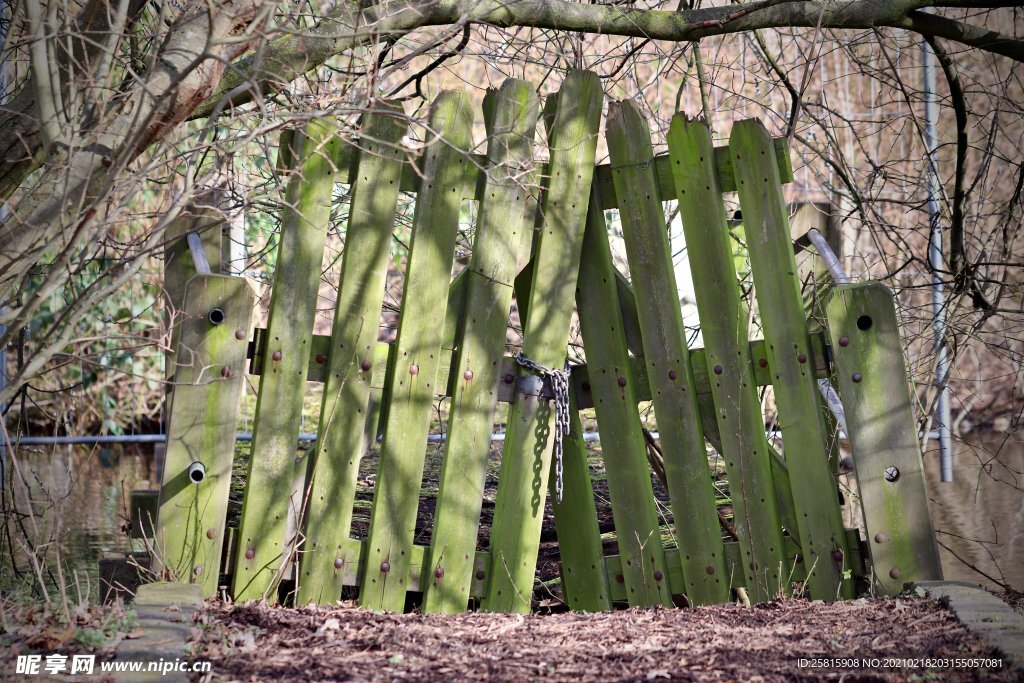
724, 643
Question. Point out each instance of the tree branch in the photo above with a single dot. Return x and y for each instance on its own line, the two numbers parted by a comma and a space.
963, 273
288, 57
933, 25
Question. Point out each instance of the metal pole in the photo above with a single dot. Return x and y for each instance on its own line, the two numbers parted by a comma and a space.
821, 246
247, 436
839, 276
938, 264
195, 245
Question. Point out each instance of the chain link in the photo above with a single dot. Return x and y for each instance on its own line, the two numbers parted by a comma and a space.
559, 380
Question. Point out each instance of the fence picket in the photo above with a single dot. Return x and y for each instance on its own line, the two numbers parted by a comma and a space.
724, 325
804, 435
623, 447
667, 357
419, 349
350, 359
522, 484
275, 482
476, 367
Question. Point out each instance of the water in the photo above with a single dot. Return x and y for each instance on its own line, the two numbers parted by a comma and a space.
81, 495
979, 516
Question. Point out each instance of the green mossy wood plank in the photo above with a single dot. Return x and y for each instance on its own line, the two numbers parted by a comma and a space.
878, 405
419, 349
522, 486
666, 355
584, 581
622, 439
478, 360
201, 428
804, 433
724, 326
580, 549
350, 360
271, 503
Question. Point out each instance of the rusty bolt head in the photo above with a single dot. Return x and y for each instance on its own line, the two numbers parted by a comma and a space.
439, 573
338, 563
881, 538
799, 559
619, 578
895, 573
585, 386
385, 567
275, 356
467, 375
622, 381
672, 375
320, 359
844, 341
837, 556
802, 358
509, 378
718, 370
198, 570
480, 575
658, 576
225, 371
365, 365
211, 533
763, 363
414, 369
857, 377
753, 566
239, 334
250, 553
710, 570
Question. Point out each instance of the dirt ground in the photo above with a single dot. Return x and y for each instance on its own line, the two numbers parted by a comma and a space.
724, 643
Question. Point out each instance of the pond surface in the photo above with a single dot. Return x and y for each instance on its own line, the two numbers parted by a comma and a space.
81, 496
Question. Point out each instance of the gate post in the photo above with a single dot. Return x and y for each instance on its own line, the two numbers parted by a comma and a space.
883, 435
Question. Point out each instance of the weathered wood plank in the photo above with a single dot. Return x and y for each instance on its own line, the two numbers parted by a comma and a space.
349, 363
584, 581
724, 325
804, 435
879, 414
522, 486
666, 356
477, 363
614, 388
201, 428
419, 341
272, 503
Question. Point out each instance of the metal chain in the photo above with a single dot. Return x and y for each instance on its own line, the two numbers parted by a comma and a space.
560, 388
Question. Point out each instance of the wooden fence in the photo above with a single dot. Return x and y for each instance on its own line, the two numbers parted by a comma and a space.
549, 249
